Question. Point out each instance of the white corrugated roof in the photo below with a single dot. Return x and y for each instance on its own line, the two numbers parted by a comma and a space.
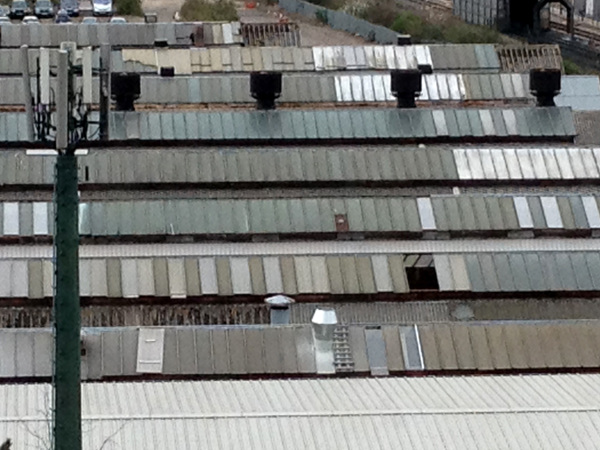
311, 248
535, 411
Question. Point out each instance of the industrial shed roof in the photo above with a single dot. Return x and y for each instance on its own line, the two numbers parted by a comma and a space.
412, 124
393, 124
310, 165
311, 247
306, 88
173, 313
169, 313
129, 34
536, 411
580, 93
308, 215
307, 275
292, 350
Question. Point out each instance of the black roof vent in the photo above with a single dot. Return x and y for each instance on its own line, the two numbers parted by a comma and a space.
425, 69
403, 39
125, 89
544, 84
265, 87
406, 86
167, 71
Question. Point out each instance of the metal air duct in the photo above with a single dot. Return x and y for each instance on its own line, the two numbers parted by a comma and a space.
280, 309
265, 87
544, 84
125, 89
406, 86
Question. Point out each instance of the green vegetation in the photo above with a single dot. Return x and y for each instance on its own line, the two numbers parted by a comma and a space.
571, 68
206, 10
452, 31
321, 15
129, 7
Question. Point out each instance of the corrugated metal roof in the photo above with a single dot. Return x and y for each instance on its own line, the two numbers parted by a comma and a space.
313, 274
357, 312
422, 413
331, 125
581, 93
393, 123
316, 164
129, 34
298, 248
464, 57
285, 216
292, 350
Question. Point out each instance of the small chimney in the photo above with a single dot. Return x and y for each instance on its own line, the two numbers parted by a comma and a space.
167, 71
403, 39
406, 86
280, 309
544, 84
324, 322
125, 89
425, 69
265, 87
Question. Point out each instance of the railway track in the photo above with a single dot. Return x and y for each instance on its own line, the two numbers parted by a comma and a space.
583, 29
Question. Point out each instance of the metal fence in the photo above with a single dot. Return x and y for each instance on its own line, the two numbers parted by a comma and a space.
339, 20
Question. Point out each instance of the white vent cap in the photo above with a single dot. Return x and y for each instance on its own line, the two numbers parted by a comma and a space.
279, 301
324, 316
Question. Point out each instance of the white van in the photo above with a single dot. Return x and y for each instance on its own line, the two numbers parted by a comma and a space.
102, 7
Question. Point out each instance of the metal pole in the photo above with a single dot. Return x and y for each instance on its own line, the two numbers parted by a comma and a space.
67, 319
104, 91
27, 91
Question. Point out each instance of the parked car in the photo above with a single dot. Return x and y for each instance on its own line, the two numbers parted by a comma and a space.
19, 9
70, 6
5, 20
4, 11
118, 20
30, 20
44, 9
89, 20
62, 17
102, 7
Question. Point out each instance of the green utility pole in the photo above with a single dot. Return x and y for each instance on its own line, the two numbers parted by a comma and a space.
67, 318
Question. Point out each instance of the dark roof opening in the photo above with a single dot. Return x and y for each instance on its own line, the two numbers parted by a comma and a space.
422, 278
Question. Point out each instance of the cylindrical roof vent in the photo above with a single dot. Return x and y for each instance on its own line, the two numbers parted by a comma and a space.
125, 89
324, 321
406, 86
544, 84
265, 87
280, 309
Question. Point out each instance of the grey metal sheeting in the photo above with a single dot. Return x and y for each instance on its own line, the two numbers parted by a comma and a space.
328, 88
358, 312
190, 277
328, 125
308, 165
291, 350
308, 88
448, 58
469, 57
464, 213
421, 124
420, 413
130, 34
